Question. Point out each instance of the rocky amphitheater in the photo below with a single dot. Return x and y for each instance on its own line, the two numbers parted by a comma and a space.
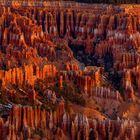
69, 71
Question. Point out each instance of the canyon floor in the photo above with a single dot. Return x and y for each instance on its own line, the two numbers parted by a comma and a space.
69, 71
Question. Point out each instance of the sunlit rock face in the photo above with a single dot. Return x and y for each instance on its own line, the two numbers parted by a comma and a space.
69, 71
28, 73
28, 120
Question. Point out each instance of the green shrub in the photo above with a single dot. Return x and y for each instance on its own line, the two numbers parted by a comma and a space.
69, 93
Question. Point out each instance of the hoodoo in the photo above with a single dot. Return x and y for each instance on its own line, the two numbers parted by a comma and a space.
69, 70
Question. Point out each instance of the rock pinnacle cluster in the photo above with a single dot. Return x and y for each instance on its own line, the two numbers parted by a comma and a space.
69, 71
